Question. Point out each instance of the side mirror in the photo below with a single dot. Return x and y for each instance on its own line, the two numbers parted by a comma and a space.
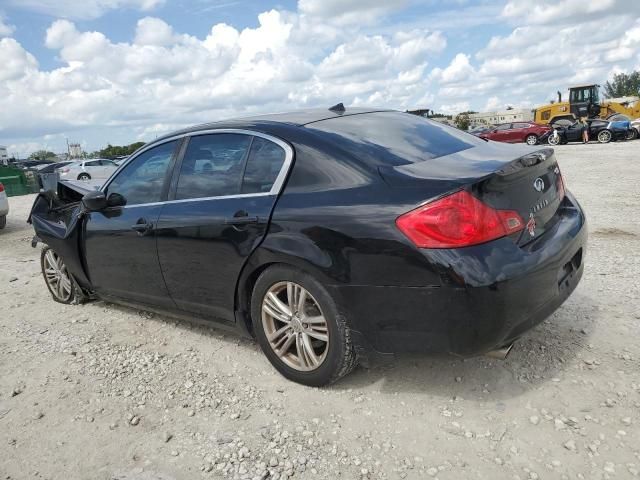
116, 200
94, 201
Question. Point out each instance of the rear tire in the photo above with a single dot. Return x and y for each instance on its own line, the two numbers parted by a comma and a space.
3, 221
531, 139
61, 284
604, 136
84, 176
328, 361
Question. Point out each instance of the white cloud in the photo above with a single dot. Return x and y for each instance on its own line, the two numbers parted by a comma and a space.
548, 50
106, 90
15, 61
154, 31
459, 69
164, 79
348, 11
82, 9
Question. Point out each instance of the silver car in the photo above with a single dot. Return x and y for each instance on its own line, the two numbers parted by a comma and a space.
97, 169
4, 207
635, 126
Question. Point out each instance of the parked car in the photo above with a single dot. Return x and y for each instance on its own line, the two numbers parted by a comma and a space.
601, 130
621, 122
635, 125
329, 236
4, 207
52, 167
517, 132
88, 169
29, 164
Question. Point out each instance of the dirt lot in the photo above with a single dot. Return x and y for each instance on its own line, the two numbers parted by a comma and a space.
102, 392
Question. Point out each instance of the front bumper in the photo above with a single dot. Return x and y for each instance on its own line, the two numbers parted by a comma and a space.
489, 294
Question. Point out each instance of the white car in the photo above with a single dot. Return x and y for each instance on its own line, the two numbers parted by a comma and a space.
4, 207
96, 168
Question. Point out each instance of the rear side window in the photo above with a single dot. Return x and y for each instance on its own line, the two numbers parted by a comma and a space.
394, 138
94, 163
212, 166
263, 166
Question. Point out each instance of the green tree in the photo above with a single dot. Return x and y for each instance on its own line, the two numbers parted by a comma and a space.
42, 155
462, 121
623, 84
113, 151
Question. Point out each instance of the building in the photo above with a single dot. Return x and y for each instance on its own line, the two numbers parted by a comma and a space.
75, 150
501, 116
4, 156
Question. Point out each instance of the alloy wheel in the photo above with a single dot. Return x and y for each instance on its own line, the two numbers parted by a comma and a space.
295, 326
531, 140
57, 277
604, 136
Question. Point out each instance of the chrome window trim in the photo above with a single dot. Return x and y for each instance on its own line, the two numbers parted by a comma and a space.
275, 188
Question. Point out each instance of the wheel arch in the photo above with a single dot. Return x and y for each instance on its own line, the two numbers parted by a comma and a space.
293, 251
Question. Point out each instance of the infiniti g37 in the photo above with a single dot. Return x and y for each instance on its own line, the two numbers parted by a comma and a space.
330, 236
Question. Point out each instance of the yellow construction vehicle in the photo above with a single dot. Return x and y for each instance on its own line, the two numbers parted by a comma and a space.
584, 101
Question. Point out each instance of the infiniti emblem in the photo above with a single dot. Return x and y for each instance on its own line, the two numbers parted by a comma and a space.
538, 184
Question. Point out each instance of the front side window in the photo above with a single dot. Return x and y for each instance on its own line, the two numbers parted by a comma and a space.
212, 166
141, 181
504, 126
263, 166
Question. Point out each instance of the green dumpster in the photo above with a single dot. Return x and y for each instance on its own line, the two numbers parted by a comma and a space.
16, 182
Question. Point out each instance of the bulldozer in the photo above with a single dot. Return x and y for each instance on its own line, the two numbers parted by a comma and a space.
584, 101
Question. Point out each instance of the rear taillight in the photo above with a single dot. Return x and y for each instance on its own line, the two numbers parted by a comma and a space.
64, 170
1, 188
457, 220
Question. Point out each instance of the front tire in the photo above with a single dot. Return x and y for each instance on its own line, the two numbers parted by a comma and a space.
3, 221
604, 136
84, 176
61, 284
554, 140
531, 139
632, 134
299, 327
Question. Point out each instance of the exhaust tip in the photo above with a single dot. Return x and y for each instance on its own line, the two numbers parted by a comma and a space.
500, 353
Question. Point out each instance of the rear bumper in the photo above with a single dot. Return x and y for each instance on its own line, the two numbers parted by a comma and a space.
489, 294
4, 205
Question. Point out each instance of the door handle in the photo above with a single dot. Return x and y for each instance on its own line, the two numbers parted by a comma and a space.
142, 226
241, 220
241, 217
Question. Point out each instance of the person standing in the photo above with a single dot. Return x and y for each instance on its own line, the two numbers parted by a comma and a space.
585, 130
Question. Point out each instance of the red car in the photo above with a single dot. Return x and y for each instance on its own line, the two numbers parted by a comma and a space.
526, 132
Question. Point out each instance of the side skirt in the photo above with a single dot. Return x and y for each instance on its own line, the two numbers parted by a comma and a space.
215, 323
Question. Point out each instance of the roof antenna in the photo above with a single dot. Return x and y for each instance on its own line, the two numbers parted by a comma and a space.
339, 108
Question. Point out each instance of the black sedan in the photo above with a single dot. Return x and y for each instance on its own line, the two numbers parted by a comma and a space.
601, 130
330, 236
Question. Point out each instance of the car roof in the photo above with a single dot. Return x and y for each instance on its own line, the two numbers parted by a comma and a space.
297, 118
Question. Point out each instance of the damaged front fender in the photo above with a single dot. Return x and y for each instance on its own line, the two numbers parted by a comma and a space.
58, 221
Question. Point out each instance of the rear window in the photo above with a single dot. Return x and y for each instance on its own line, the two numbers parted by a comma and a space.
394, 138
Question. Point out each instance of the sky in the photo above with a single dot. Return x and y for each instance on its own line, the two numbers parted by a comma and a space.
121, 71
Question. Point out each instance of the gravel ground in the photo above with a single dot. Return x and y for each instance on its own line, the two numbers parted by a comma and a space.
103, 392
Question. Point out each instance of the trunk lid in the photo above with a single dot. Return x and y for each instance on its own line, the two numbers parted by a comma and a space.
505, 177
